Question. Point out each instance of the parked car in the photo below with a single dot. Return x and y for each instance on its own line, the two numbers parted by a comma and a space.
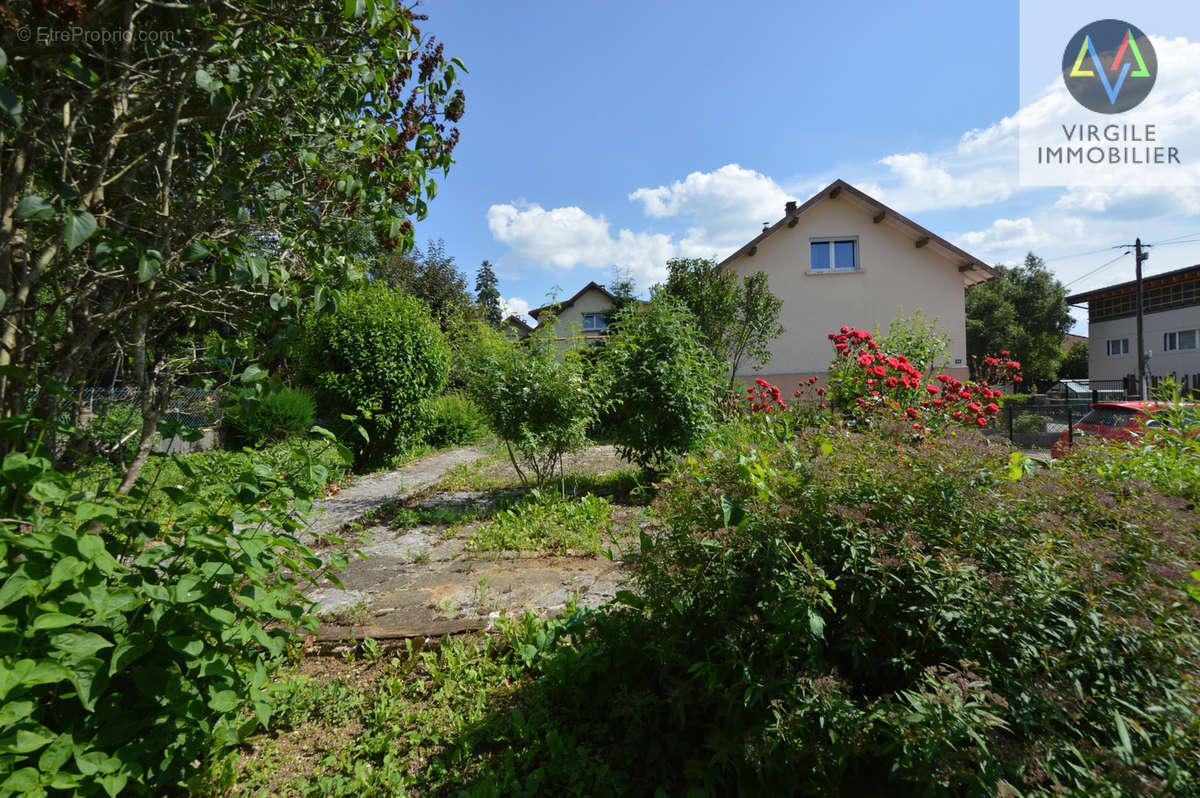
1121, 421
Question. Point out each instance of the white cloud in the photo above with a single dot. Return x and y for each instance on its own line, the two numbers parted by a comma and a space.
514, 306
921, 181
1006, 237
727, 207
563, 238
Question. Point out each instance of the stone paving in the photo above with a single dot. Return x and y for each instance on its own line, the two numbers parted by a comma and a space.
422, 581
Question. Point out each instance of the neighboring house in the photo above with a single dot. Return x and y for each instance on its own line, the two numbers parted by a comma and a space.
516, 327
845, 259
1170, 328
1070, 339
588, 311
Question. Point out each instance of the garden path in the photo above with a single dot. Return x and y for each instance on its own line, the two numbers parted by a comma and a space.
374, 490
422, 581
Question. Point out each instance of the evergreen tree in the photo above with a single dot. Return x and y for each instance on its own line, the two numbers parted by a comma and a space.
487, 295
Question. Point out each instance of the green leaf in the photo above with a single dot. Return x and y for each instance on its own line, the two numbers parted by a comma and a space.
354, 8
78, 226
79, 644
90, 679
50, 487
24, 740
224, 701
113, 783
147, 268
57, 754
20, 782
45, 673
3, 61
277, 301
34, 209
3, 299
14, 711
253, 373
194, 251
204, 80
190, 588
11, 104
816, 624
53, 620
88, 511
128, 650
65, 570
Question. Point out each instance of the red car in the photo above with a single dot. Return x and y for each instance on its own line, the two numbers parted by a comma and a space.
1120, 421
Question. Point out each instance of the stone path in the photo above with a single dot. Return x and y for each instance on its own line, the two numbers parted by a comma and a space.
422, 582
370, 492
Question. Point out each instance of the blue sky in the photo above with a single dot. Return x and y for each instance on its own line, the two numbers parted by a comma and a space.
623, 133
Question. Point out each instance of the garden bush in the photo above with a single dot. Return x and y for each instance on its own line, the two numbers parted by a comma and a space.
932, 619
270, 416
660, 382
454, 420
534, 395
378, 356
131, 650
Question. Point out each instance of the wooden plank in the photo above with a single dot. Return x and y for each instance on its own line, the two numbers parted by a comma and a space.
836, 190
750, 252
349, 634
967, 267
879, 217
922, 241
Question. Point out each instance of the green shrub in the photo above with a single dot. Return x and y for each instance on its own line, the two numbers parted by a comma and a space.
660, 381
113, 433
936, 620
130, 650
454, 420
380, 356
271, 416
533, 394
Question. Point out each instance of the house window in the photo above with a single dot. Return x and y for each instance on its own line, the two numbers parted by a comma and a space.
1183, 339
833, 255
594, 322
1118, 346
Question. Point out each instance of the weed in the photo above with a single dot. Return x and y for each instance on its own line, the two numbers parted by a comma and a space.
546, 522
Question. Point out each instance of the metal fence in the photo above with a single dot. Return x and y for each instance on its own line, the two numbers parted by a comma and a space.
194, 407
1039, 423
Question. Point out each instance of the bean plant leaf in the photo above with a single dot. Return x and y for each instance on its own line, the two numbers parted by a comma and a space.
194, 251
147, 267
78, 227
34, 209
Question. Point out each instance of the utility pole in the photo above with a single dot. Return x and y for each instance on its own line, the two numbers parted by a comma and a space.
1141, 343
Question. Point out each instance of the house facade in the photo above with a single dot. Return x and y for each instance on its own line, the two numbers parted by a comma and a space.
1170, 328
845, 259
587, 311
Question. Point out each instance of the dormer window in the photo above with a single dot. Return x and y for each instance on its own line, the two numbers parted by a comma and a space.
833, 255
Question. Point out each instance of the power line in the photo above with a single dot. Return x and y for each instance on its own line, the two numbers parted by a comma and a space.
1080, 254
1102, 266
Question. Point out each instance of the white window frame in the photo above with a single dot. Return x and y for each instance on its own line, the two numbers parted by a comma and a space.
1172, 341
833, 269
601, 317
1122, 347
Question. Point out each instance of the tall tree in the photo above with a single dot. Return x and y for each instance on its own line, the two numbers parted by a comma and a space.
1023, 311
487, 295
201, 171
432, 276
623, 287
1074, 364
738, 318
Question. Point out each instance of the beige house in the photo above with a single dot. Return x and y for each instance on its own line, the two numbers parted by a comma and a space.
587, 311
845, 259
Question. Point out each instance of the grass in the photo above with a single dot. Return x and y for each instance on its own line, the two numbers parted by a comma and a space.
547, 522
379, 724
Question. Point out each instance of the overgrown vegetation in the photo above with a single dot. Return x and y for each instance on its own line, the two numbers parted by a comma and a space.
659, 382
133, 648
547, 522
534, 394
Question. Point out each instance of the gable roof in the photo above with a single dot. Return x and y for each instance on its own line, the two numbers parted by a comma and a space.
516, 321
561, 306
972, 268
